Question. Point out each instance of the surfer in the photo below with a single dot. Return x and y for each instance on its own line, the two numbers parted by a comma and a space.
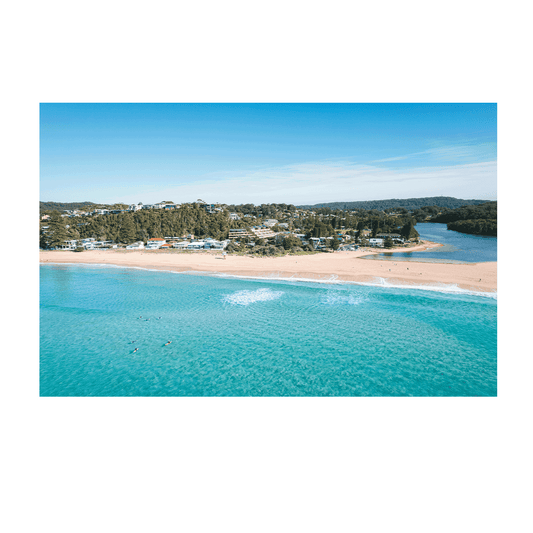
135, 350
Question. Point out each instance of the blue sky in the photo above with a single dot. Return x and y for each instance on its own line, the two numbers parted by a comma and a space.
263, 153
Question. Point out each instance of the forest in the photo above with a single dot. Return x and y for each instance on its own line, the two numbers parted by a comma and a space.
475, 220
394, 203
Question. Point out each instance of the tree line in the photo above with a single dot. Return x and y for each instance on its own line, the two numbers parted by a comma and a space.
448, 202
476, 220
139, 226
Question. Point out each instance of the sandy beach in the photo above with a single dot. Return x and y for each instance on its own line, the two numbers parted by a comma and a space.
340, 266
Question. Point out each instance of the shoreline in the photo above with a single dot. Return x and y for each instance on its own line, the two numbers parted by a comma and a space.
334, 267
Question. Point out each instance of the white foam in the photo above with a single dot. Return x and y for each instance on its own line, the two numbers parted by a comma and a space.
378, 282
450, 288
250, 297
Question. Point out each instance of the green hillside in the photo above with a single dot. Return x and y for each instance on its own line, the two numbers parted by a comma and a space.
407, 203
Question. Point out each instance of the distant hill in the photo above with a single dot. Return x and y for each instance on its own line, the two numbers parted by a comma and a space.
63, 206
407, 203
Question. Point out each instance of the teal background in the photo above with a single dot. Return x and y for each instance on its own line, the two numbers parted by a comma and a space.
263, 474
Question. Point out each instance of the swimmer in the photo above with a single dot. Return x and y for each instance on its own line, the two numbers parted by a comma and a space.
132, 342
135, 350
168, 342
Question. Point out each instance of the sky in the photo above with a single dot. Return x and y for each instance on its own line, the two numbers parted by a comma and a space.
266, 153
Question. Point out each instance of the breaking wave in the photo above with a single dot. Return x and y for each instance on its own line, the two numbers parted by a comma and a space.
250, 297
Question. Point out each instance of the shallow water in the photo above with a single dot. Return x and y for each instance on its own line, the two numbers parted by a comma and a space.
458, 247
241, 337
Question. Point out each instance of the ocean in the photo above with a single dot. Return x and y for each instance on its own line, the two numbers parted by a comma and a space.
247, 337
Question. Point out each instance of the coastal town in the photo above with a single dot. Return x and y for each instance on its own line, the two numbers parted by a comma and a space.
294, 230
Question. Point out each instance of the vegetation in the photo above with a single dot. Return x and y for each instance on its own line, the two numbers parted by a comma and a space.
63, 206
476, 220
407, 203
293, 225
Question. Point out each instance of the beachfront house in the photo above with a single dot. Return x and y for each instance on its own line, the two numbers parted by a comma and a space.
196, 245
212, 244
375, 241
135, 246
155, 243
156, 240
180, 245
68, 245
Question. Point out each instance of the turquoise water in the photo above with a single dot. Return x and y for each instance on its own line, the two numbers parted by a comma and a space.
242, 337
458, 247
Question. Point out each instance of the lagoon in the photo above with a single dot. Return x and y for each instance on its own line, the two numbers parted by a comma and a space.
458, 247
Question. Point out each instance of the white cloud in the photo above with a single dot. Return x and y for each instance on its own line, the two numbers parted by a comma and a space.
329, 181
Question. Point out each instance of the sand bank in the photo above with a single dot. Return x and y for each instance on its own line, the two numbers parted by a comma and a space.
342, 266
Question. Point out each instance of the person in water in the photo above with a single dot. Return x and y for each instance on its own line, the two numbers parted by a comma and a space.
168, 342
135, 350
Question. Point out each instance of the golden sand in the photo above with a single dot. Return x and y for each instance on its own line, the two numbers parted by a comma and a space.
342, 266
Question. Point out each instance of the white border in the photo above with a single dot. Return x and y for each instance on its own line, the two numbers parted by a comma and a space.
30, 403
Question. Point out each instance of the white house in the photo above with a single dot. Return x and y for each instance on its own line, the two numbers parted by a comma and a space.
68, 245
155, 243
234, 216
270, 222
135, 246
215, 245
196, 245
181, 245
374, 241
157, 240
134, 207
